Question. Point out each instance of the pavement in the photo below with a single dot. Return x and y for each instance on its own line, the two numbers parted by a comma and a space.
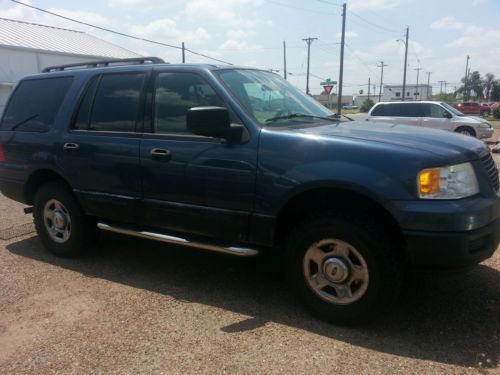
136, 307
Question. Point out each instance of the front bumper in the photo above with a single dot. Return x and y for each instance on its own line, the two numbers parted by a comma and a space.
483, 133
452, 250
449, 234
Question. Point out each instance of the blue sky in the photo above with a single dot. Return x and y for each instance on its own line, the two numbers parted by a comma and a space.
251, 32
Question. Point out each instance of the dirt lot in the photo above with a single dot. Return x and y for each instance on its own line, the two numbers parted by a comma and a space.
133, 306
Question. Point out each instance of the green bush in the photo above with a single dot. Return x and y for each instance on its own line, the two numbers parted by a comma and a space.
496, 112
367, 105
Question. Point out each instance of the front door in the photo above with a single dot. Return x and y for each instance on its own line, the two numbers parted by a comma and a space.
200, 185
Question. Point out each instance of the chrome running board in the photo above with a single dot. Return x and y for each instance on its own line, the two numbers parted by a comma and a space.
233, 250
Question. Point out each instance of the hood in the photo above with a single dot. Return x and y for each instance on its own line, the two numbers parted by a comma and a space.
470, 120
449, 145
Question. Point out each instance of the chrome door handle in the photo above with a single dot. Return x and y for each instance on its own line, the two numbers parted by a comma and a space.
71, 146
160, 153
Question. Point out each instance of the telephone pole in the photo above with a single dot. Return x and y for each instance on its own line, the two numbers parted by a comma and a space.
369, 88
417, 94
381, 78
183, 54
440, 87
406, 62
341, 75
466, 77
284, 59
445, 84
428, 84
308, 41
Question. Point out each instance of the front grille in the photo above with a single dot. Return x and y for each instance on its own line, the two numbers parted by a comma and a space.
491, 169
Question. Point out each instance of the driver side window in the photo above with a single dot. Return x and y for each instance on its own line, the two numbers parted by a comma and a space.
436, 111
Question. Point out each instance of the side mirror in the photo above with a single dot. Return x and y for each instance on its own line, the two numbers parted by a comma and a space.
213, 122
447, 114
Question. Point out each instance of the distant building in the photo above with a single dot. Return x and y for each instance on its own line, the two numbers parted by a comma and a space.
330, 101
27, 48
413, 92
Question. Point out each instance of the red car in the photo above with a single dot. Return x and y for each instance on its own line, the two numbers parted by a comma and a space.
473, 108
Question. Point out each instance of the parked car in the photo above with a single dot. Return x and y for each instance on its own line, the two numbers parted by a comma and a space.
239, 161
350, 106
473, 108
437, 115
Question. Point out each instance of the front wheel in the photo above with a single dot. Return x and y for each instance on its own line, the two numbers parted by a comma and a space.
60, 223
342, 267
466, 130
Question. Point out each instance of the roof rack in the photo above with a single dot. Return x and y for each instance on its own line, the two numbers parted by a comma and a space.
104, 63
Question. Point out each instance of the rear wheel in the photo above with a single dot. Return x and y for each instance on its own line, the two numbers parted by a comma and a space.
466, 130
60, 223
342, 267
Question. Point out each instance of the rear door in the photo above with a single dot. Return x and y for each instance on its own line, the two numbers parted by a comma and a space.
100, 153
200, 185
399, 113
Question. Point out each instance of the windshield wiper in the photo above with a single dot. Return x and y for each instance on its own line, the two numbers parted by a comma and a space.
24, 121
337, 116
294, 115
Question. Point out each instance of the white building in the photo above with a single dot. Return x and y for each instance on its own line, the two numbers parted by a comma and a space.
393, 93
27, 48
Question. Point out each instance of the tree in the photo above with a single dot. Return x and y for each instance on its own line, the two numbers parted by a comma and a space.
366, 105
495, 91
488, 81
474, 84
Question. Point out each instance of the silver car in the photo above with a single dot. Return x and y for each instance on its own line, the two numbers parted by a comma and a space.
437, 115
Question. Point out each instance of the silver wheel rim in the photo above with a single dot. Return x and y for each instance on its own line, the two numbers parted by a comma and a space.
57, 221
335, 271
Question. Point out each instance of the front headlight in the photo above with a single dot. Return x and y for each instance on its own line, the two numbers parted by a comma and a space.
485, 125
452, 182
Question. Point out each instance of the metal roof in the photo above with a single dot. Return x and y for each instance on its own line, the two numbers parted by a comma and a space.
47, 38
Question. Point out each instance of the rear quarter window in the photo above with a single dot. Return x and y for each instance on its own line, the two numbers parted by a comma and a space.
380, 110
34, 104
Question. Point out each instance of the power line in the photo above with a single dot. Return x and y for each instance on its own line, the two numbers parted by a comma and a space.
298, 8
120, 33
330, 3
374, 24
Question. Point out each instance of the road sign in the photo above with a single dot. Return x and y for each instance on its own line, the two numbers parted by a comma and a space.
328, 82
328, 89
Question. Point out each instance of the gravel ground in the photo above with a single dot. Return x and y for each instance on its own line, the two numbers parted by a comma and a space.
134, 306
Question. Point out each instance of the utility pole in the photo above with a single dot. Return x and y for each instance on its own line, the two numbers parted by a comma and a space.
183, 54
369, 88
406, 62
428, 84
308, 41
284, 59
341, 75
441, 87
381, 78
466, 77
445, 84
416, 89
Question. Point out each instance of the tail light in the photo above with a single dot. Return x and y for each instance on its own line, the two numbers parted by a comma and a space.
2, 154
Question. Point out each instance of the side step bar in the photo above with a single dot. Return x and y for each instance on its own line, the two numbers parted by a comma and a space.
233, 250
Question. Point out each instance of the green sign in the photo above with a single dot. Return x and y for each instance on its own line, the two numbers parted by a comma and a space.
328, 82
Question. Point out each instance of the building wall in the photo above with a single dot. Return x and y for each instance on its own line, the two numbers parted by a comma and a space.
16, 63
390, 93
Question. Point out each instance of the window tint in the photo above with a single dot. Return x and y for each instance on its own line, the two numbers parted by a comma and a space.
83, 117
435, 111
35, 104
380, 110
407, 110
116, 103
175, 94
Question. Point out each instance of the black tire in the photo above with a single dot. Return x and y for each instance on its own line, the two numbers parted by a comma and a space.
466, 130
384, 264
81, 231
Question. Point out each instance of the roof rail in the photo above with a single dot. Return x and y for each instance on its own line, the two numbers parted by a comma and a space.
104, 63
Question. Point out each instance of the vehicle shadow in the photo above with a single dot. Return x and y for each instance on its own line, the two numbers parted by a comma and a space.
450, 320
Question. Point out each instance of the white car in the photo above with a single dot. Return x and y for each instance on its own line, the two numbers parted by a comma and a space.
437, 115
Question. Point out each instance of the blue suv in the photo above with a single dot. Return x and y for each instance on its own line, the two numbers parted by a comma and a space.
239, 161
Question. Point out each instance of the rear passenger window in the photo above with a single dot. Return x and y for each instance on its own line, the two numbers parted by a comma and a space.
35, 104
83, 117
380, 110
116, 103
175, 94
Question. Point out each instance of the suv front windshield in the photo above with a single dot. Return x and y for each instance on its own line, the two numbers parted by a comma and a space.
455, 111
271, 100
